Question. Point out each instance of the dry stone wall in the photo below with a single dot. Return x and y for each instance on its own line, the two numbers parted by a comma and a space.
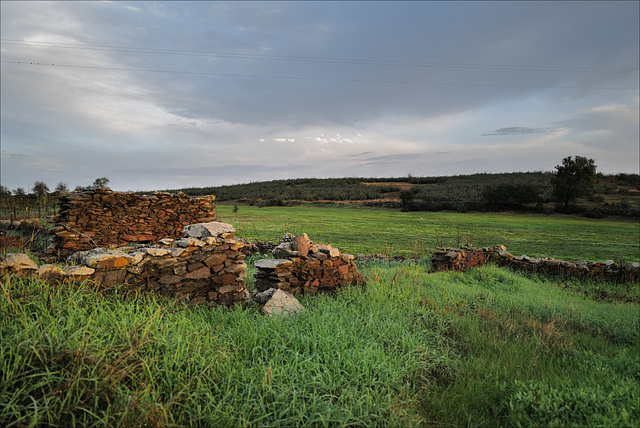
104, 218
301, 266
207, 265
463, 259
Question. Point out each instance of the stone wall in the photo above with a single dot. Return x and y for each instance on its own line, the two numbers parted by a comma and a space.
207, 265
301, 266
463, 259
104, 218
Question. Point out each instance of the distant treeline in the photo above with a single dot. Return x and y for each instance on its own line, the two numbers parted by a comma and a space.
518, 191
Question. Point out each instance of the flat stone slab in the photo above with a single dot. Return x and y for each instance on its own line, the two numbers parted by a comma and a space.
18, 262
109, 260
271, 263
78, 271
203, 230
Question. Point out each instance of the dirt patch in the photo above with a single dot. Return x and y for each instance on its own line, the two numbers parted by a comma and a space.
402, 185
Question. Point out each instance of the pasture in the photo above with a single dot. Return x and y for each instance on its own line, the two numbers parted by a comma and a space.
489, 347
415, 234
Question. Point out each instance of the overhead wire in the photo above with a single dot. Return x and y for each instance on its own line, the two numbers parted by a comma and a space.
159, 51
332, 79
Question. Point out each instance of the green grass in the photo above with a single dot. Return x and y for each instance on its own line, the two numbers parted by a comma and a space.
489, 347
415, 234
486, 348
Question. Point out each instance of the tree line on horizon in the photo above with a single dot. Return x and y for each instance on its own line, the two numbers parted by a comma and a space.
540, 191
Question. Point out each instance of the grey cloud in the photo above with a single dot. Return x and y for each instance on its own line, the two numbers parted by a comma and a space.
519, 130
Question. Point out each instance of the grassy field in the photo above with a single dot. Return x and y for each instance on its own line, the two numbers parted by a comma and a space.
415, 234
485, 348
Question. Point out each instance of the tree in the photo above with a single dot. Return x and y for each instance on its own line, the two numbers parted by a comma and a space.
100, 182
61, 188
4, 191
574, 178
40, 188
19, 191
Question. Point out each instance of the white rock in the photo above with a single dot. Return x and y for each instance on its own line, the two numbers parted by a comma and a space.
282, 303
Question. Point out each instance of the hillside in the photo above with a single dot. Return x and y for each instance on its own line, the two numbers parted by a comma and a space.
519, 191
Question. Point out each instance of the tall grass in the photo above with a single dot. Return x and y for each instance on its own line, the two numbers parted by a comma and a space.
486, 348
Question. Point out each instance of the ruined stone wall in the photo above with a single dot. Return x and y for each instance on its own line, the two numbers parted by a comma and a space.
207, 265
301, 266
463, 259
104, 218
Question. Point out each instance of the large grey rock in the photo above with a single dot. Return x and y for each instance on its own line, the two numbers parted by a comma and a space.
80, 257
262, 297
282, 303
203, 230
283, 251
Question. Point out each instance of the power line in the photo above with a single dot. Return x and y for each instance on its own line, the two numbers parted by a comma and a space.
138, 50
330, 79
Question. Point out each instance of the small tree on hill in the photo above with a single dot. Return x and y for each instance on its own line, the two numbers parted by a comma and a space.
61, 188
19, 191
40, 188
574, 178
100, 182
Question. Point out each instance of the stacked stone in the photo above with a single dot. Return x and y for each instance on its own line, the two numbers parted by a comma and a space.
104, 218
207, 265
301, 266
461, 260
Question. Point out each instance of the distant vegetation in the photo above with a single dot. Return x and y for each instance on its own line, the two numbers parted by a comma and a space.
518, 191
541, 192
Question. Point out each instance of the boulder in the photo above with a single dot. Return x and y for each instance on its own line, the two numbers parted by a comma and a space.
282, 303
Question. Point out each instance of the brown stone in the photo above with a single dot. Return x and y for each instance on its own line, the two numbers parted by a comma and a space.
169, 279
110, 278
232, 288
203, 272
300, 244
215, 259
194, 266
224, 279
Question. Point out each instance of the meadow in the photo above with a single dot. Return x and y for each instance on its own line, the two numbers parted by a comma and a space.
489, 347
354, 230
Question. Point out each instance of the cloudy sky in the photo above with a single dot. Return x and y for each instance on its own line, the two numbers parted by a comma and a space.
164, 95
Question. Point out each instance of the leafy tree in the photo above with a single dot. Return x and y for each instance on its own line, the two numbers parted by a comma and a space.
61, 188
510, 194
40, 188
100, 182
574, 178
19, 191
4, 191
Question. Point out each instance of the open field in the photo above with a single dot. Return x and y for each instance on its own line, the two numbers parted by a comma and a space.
486, 348
415, 234
489, 347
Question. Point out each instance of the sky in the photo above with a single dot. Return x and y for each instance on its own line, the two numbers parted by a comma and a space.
168, 95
